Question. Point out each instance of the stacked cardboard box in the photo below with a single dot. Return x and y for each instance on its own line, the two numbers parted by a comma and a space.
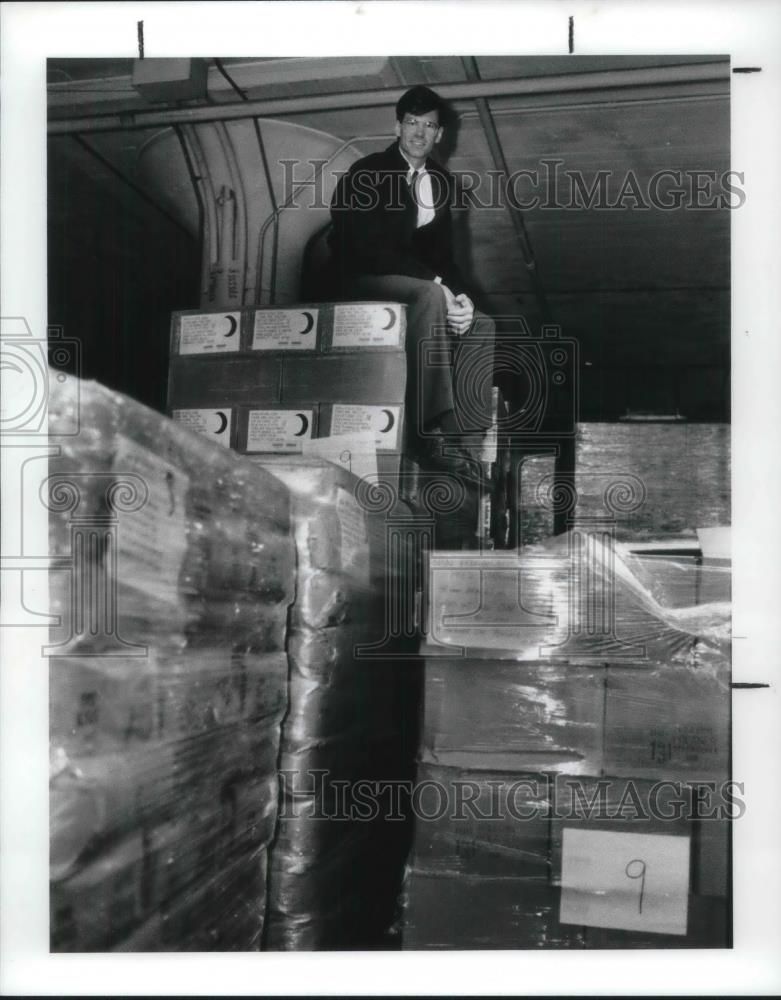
267, 381
264, 380
168, 680
334, 873
572, 801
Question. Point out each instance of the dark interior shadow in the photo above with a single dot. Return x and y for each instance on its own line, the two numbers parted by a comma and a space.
462, 242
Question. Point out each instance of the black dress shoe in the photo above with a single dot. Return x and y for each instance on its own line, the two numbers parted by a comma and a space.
439, 454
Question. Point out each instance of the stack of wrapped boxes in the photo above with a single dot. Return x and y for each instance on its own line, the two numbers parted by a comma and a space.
573, 777
269, 380
334, 869
173, 574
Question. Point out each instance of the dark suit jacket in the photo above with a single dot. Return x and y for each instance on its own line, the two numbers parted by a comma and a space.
374, 222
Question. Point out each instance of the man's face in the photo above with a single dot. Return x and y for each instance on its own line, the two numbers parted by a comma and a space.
418, 134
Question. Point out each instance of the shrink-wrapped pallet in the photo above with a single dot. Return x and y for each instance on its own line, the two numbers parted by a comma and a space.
576, 738
168, 681
132, 486
333, 875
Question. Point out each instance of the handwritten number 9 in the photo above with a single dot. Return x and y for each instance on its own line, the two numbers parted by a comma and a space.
637, 869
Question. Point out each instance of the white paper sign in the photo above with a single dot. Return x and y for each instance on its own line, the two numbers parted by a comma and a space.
209, 333
632, 881
382, 421
354, 452
367, 324
213, 424
354, 536
285, 330
278, 430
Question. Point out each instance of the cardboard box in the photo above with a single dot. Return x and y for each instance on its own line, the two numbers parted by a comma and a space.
708, 926
671, 722
202, 382
481, 823
465, 912
99, 704
498, 714
351, 377
575, 598
205, 900
94, 797
200, 689
712, 844
96, 906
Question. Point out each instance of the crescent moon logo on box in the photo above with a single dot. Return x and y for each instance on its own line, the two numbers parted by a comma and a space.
391, 420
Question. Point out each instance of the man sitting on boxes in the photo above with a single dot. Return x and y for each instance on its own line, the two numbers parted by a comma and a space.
392, 240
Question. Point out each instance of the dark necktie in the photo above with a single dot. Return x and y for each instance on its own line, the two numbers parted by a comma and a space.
413, 186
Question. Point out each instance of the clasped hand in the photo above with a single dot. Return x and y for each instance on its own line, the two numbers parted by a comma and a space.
460, 312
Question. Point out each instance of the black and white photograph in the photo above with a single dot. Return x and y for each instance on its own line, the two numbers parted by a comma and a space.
390, 558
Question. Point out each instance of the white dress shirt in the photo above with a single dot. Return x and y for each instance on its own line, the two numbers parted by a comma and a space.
425, 195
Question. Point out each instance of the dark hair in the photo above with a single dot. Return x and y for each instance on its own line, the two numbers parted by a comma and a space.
417, 101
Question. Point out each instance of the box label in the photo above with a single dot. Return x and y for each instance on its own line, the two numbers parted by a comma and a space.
216, 425
382, 421
285, 330
278, 430
632, 881
354, 536
153, 539
367, 325
209, 333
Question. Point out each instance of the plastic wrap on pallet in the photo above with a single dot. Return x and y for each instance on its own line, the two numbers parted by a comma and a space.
578, 598
101, 902
185, 533
469, 912
498, 714
331, 688
165, 718
335, 857
633, 721
333, 880
331, 873
489, 824
499, 833
94, 799
223, 912
105, 704
668, 723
